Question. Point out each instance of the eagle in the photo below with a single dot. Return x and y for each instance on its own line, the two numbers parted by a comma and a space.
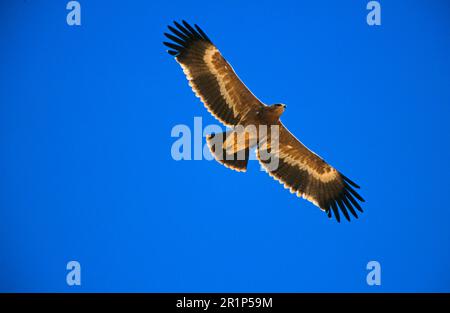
227, 98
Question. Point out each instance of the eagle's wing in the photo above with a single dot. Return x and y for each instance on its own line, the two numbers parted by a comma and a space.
210, 76
308, 175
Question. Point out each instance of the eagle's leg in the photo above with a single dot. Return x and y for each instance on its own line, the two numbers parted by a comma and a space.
231, 149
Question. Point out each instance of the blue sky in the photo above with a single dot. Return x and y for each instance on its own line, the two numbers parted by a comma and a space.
86, 114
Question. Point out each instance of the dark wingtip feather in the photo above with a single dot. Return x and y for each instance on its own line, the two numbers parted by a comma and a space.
353, 192
177, 49
175, 39
177, 32
171, 45
336, 212
186, 24
192, 30
349, 181
343, 209
202, 33
172, 53
353, 201
349, 206
182, 29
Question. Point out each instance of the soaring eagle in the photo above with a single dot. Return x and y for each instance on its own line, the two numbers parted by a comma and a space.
226, 97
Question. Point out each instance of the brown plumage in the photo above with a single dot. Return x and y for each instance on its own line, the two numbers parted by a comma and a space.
214, 81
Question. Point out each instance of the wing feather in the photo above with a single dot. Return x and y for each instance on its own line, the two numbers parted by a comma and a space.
211, 77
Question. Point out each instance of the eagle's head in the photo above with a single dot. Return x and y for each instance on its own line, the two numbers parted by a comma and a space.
278, 108
280, 105
274, 111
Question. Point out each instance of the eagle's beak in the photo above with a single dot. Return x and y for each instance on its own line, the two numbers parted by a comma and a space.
284, 106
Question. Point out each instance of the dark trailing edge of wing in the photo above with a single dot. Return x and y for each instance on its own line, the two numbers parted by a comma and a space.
345, 201
183, 36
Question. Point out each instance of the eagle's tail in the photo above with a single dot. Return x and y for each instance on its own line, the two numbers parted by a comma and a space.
231, 149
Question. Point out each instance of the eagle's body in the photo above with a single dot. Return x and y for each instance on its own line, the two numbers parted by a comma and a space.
227, 98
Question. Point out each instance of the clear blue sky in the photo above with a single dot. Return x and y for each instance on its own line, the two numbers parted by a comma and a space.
86, 171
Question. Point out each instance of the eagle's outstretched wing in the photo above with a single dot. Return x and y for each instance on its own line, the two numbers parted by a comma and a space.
210, 76
309, 176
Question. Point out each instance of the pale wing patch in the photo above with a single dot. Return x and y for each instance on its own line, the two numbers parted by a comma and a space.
329, 173
286, 186
223, 79
194, 88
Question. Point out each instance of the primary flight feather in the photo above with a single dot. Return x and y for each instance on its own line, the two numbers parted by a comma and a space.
227, 98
